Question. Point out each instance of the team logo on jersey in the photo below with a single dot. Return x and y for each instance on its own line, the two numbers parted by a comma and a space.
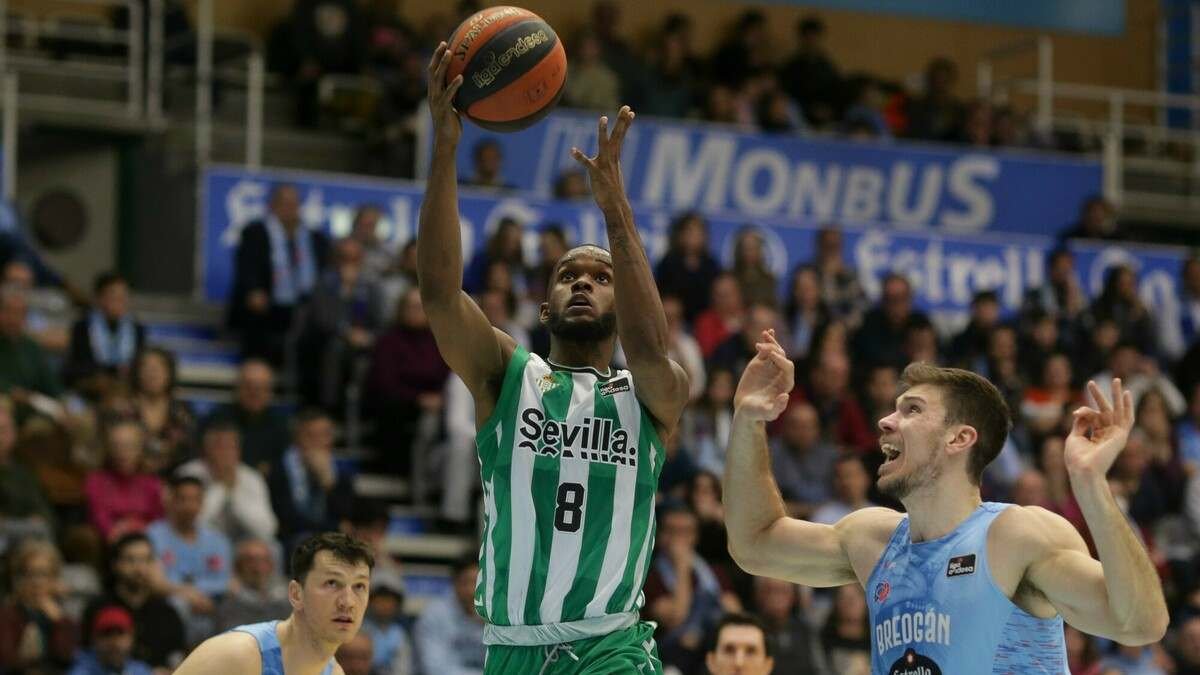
882, 590
960, 565
614, 386
913, 663
594, 439
546, 382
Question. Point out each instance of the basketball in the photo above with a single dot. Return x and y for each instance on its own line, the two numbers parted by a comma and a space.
513, 67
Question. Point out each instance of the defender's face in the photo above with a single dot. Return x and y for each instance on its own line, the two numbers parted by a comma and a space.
334, 597
581, 299
912, 439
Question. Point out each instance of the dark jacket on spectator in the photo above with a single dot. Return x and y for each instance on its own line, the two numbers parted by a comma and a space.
81, 356
59, 638
692, 285
253, 271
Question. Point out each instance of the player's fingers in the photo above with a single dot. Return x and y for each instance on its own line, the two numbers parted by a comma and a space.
452, 90
1127, 401
1118, 400
1102, 403
624, 120
602, 133
436, 59
583, 159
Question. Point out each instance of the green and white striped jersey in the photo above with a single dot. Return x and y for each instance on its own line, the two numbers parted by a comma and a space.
570, 464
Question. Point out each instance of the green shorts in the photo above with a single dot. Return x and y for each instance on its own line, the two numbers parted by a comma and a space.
631, 650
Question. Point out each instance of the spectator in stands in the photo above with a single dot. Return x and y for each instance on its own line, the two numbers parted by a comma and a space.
802, 461
703, 497
736, 351
377, 260
1097, 220
487, 162
1142, 660
846, 636
705, 427
787, 632
196, 559
672, 80
759, 285
1139, 375
851, 484
1119, 303
23, 506
264, 432
977, 124
841, 416
402, 277
741, 646
880, 339
449, 631
937, 115
591, 84
1046, 409
1180, 329
775, 113
15, 246
1061, 296
499, 307
24, 366
35, 632
277, 265
122, 497
552, 244
683, 348
685, 594
810, 77
406, 380
111, 646
746, 50
688, 269
47, 332
459, 456
504, 247
840, 288
721, 106
327, 37
106, 340
136, 584
168, 421
308, 492
1187, 646
1187, 433
724, 316
804, 310
971, 343
572, 185
237, 502
866, 115
257, 592
341, 323
1038, 341
392, 651
879, 399
620, 57
1030, 489
921, 343
355, 657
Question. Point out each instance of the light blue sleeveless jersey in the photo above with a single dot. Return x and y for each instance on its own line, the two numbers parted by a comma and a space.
935, 610
268, 646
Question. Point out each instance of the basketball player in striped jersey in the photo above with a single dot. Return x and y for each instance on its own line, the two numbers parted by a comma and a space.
569, 448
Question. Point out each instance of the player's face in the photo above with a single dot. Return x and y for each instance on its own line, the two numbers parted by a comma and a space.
580, 306
333, 599
741, 650
912, 440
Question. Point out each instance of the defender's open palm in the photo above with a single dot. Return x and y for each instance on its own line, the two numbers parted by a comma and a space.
446, 122
605, 168
762, 393
1098, 434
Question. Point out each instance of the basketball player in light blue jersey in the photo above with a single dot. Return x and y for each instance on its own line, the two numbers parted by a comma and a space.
331, 575
957, 585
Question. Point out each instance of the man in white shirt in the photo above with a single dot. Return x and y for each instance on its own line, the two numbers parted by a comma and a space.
236, 500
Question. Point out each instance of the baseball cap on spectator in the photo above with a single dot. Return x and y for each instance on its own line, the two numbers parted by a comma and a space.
112, 618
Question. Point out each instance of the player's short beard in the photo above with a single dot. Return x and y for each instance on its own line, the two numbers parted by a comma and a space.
582, 331
911, 482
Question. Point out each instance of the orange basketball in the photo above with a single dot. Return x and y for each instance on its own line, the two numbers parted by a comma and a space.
513, 68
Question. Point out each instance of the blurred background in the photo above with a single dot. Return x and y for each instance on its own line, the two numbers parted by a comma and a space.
1012, 188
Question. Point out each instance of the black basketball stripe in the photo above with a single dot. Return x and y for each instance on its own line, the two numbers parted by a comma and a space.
485, 75
517, 125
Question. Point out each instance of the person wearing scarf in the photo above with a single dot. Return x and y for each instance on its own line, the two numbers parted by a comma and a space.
308, 492
105, 340
277, 264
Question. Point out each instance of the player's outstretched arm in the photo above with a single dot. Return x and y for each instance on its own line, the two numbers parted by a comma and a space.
1120, 596
473, 349
231, 653
762, 539
662, 384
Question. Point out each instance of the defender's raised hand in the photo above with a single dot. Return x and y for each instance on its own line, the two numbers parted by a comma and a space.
1099, 434
446, 123
604, 169
762, 393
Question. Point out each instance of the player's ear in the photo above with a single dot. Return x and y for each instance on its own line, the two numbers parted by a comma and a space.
960, 438
295, 595
544, 313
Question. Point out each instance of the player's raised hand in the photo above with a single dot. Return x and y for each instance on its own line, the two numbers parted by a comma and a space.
1098, 434
604, 169
446, 123
762, 393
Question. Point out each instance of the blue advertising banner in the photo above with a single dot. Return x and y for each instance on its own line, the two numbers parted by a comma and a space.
946, 269
1105, 17
718, 170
